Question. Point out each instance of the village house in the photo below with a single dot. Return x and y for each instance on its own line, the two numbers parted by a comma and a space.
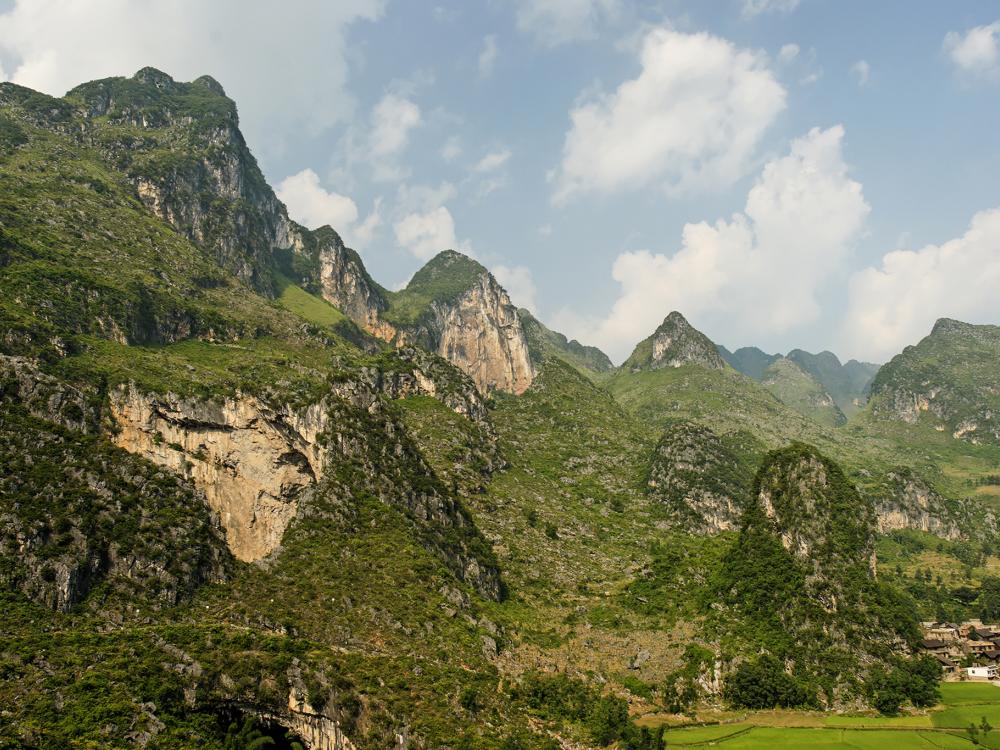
988, 672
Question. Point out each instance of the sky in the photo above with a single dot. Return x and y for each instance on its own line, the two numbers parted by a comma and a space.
819, 174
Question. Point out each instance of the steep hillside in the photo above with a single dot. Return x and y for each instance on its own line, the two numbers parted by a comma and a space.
799, 583
673, 344
544, 343
948, 379
798, 389
454, 306
847, 383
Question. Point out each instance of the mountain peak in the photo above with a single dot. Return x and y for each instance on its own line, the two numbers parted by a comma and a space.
155, 77
675, 342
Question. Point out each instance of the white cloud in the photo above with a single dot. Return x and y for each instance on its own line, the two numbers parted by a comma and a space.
788, 52
753, 8
492, 161
313, 206
897, 303
863, 71
392, 120
555, 22
977, 51
56, 44
692, 119
488, 55
428, 233
757, 274
520, 285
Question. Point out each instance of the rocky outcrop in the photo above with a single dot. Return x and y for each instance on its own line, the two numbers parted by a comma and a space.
806, 500
948, 379
344, 282
46, 397
698, 478
191, 166
675, 343
251, 460
455, 308
75, 512
481, 334
255, 459
910, 503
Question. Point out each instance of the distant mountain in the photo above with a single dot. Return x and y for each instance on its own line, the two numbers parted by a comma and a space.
950, 379
749, 360
674, 343
544, 342
847, 383
792, 385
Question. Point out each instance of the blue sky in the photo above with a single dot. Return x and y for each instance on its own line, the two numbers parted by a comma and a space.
753, 163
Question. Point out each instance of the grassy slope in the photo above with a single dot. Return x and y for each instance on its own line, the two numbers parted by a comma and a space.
796, 388
445, 277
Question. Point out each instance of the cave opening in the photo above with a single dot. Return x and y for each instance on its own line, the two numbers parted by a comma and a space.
245, 730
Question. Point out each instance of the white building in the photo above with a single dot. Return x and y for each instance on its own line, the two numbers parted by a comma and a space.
982, 673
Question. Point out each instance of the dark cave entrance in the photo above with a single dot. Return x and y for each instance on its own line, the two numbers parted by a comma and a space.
242, 729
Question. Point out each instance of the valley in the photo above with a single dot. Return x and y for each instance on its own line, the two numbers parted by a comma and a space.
241, 480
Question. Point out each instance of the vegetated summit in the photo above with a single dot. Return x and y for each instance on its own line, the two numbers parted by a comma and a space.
248, 492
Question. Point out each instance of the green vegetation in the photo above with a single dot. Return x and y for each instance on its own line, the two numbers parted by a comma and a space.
447, 276
795, 387
544, 343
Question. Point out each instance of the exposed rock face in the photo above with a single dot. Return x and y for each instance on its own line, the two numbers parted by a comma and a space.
454, 307
950, 378
215, 195
673, 344
345, 283
699, 478
913, 504
254, 460
481, 334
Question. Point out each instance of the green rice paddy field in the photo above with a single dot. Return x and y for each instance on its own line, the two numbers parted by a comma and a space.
943, 727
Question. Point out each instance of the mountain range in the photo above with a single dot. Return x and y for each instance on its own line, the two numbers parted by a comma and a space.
242, 481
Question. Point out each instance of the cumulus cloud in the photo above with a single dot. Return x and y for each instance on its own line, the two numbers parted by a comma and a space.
451, 149
977, 51
427, 233
55, 44
519, 283
488, 55
753, 8
493, 161
310, 204
554, 22
759, 273
896, 303
788, 52
392, 120
692, 119
862, 70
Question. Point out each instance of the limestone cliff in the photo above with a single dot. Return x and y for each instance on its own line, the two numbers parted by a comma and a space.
909, 502
75, 512
344, 282
674, 343
254, 458
455, 307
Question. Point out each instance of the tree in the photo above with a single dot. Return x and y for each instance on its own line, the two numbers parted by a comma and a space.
765, 684
989, 599
247, 736
608, 719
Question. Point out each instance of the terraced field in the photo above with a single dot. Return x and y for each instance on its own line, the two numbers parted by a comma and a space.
944, 727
